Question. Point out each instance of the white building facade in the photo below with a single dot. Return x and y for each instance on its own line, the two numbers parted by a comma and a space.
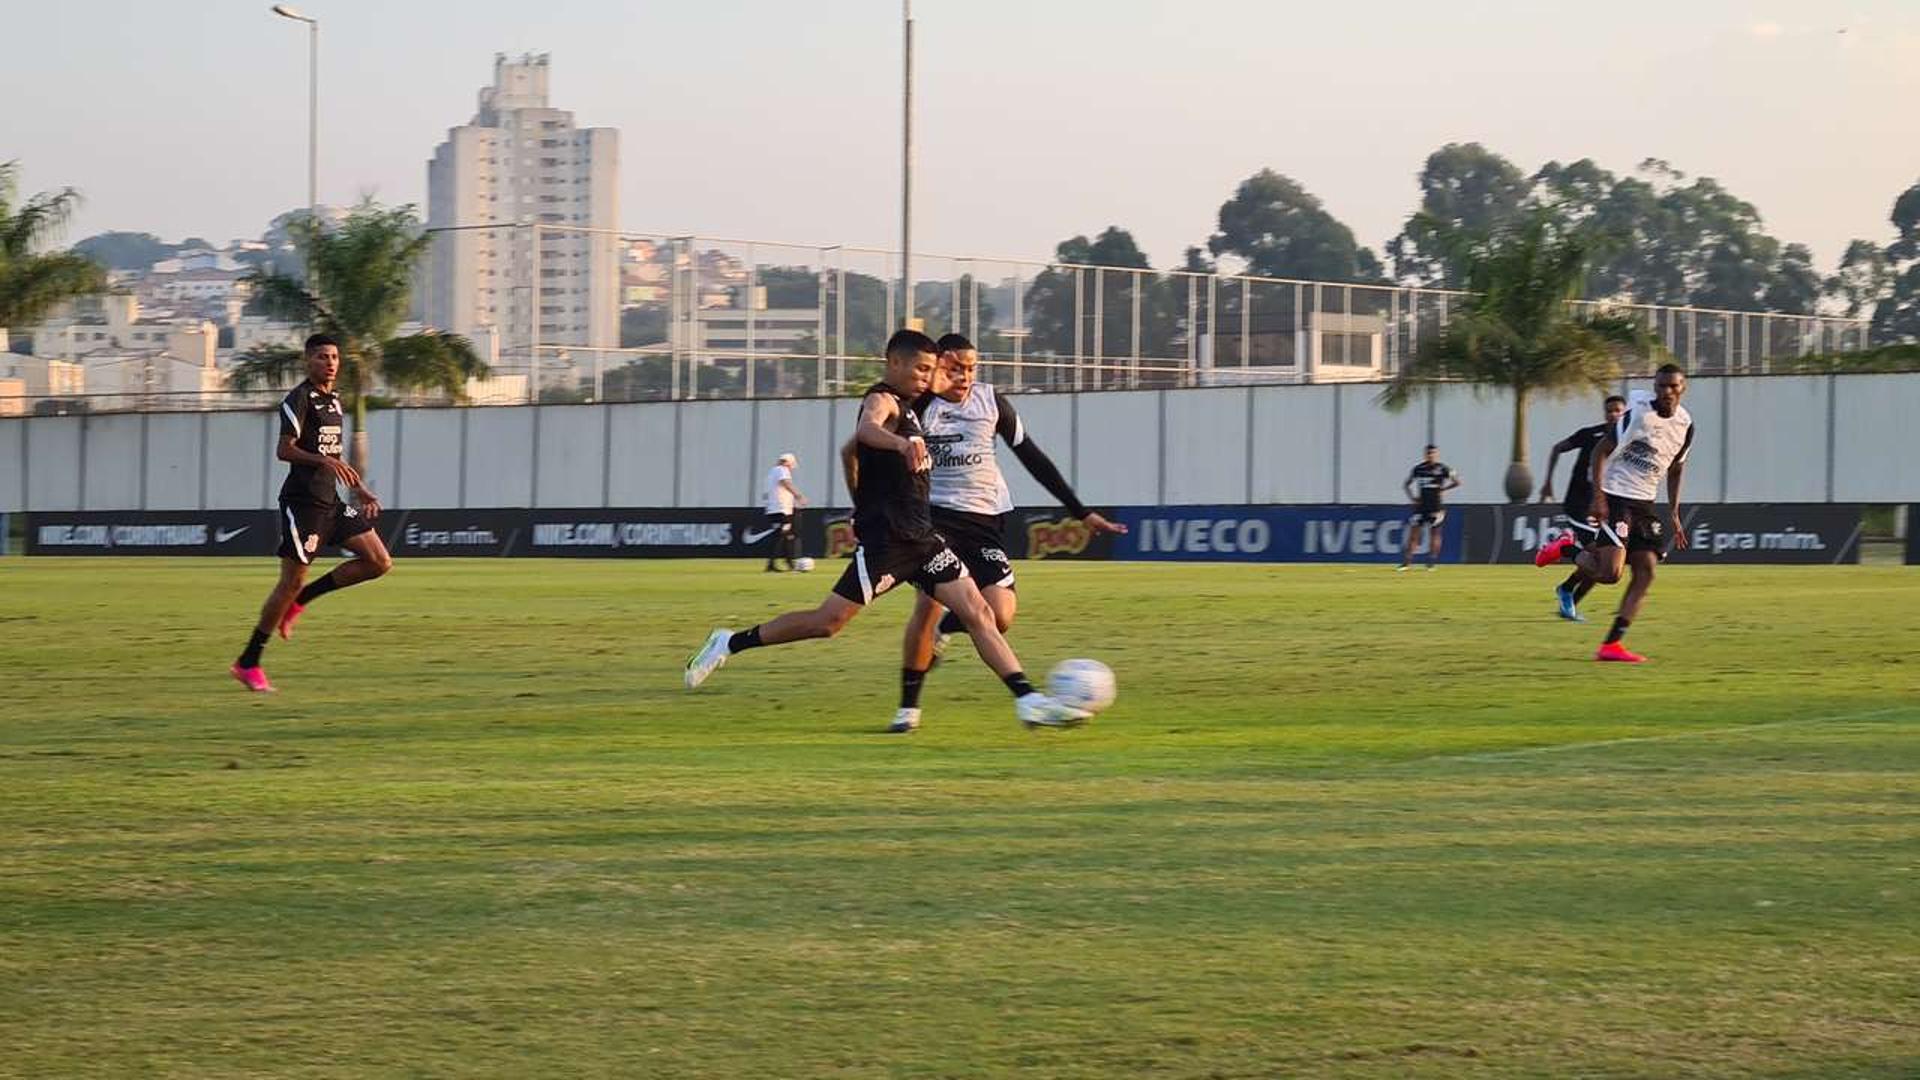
521, 161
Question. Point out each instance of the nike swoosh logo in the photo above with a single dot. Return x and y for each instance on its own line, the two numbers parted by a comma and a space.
221, 536
755, 537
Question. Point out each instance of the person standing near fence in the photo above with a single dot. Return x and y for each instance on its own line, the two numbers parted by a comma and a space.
1426, 486
781, 497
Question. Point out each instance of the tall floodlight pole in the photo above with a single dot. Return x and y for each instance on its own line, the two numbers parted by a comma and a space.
906, 170
287, 11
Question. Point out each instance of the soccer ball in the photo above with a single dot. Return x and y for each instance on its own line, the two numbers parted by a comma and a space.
803, 564
1082, 684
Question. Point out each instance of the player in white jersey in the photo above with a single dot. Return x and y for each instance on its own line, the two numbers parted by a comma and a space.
1650, 442
781, 498
970, 501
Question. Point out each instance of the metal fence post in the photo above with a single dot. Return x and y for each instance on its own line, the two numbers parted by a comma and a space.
753, 302
1099, 327
533, 360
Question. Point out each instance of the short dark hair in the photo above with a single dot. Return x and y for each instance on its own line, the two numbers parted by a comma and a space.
954, 343
905, 343
1431, 446
317, 342
1611, 398
1671, 369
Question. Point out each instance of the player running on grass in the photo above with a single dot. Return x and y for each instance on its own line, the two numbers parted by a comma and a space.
1651, 440
311, 514
970, 505
897, 543
1579, 502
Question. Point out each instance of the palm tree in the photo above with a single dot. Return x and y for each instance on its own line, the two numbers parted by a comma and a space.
361, 284
31, 284
1519, 327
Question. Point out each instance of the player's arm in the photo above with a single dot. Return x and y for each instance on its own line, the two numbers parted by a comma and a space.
1600, 454
1042, 468
850, 464
1407, 486
1676, 473
1453, 480
798, 499
1564, 446
876, 412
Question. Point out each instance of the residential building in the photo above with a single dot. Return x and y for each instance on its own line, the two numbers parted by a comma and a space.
521, 161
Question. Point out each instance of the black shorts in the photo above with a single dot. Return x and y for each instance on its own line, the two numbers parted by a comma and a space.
980, 541
1578, 517
1635, 525
1428, 517
875, 569
305, 528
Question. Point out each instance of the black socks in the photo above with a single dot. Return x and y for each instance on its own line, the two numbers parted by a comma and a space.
251, 656
951, 624
1619, 629
317, 589
744, 640
1017, 682
910, 683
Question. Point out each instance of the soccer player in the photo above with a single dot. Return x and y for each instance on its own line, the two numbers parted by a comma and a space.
970, 504
1651, 440
1579, 500
311, 513
781, 497
1425, 486
897, 543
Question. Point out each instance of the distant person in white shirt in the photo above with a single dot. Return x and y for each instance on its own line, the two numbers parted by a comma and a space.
781, 499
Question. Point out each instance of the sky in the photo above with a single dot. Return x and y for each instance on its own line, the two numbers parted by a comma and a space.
1036, 119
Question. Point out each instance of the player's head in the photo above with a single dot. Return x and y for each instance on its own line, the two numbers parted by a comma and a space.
1432, 454
1668, 384
323, 358
1613, 408
911, 358
958, 359
787, 459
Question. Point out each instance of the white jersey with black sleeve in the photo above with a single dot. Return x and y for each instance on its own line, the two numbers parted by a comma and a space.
1646, 445
960, 434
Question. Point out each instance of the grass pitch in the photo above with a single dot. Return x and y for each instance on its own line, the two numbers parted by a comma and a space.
1342, 823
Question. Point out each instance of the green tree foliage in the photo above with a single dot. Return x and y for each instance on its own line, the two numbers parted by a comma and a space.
33, 281
125, 250
1282, 230
1465, 189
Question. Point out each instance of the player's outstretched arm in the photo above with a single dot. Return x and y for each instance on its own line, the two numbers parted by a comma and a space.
1041, 467
1564, 446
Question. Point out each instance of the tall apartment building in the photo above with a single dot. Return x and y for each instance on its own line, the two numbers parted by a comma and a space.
521, 161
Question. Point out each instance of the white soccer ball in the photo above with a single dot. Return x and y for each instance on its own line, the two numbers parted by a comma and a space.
803, 564
1082, 684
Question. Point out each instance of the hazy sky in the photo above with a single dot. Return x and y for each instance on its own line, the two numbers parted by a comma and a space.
1037, 119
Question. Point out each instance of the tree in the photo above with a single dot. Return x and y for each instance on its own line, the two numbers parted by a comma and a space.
1518, 328
1795, 288
125, 250
1469, 190
1862, 280
363, 274
33, 282
1897, 316
643, 326
1053, 304
1281, 230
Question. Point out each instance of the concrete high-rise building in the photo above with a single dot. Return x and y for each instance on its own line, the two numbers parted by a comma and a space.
522, 162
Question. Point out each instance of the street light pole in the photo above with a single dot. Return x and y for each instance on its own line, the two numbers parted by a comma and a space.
287, 11
906, 170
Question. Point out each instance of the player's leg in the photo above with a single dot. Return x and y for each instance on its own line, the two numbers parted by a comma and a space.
1406, 549
852, 592
1434, 538
293, 570
963, 598
1642, 563
916, 658
371, 560
790, 541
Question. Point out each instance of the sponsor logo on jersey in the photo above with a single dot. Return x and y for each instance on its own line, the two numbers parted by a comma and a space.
1063, 536
944, 559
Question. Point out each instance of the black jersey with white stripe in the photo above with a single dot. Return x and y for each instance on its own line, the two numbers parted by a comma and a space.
891, 502
314, 419
1430, 480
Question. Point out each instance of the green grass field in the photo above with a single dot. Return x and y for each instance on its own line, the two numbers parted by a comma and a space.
1342, 823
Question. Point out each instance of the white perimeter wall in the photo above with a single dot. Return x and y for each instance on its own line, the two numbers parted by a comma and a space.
1760, 439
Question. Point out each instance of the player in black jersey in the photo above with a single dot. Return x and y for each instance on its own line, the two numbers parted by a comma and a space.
1429, 481
311, 513
897, 542
1579, 501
